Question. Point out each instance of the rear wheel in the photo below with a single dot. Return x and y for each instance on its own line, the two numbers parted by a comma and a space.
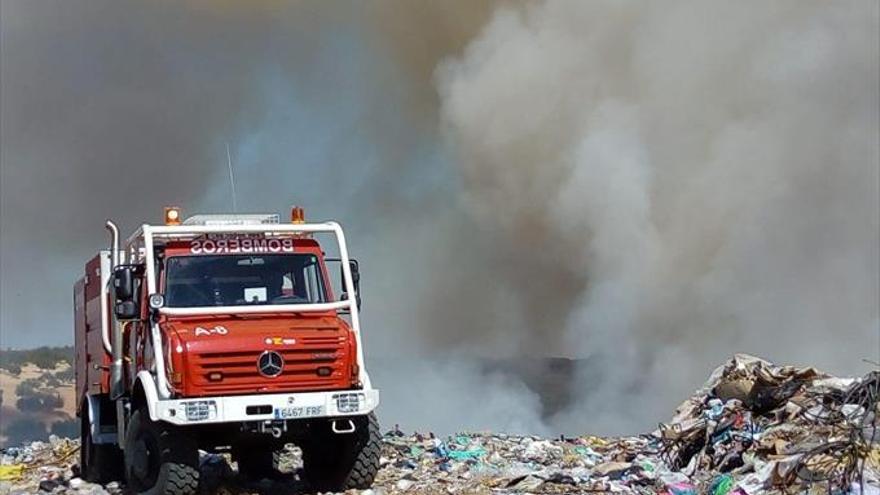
159, 459
340, 462
98, 463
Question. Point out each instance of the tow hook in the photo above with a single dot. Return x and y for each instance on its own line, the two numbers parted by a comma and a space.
335, 427
276, 429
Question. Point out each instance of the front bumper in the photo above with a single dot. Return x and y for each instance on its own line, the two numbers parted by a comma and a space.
230, 409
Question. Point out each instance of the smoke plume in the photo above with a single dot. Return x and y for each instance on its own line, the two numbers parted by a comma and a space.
112, 111
645, 188
664, 185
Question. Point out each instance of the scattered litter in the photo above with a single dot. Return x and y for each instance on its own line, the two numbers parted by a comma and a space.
11, 472
721, 485
754, 428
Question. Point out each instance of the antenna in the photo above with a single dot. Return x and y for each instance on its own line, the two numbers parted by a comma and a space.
231, 178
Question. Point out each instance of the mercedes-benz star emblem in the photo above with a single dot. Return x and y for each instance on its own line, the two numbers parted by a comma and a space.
270, 364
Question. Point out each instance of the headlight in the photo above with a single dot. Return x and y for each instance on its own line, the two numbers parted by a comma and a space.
349, 403
200, 410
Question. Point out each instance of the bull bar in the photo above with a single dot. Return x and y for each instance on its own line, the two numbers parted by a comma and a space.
268, 407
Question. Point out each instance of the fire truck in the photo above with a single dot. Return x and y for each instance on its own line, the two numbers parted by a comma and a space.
223, 333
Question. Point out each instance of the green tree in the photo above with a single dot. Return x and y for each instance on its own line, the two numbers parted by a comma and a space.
30, 386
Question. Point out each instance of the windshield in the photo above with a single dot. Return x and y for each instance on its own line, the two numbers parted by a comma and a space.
229, 280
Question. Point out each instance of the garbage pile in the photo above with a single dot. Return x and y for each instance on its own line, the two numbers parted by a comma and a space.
46, 467
753, 428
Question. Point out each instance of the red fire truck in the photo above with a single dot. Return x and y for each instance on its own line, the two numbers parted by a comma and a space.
222, 333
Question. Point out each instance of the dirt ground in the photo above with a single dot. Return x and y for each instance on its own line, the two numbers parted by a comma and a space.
9, 413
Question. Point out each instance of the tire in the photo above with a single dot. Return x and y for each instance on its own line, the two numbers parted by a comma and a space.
159, 459
255, 462
339, 462
98, 463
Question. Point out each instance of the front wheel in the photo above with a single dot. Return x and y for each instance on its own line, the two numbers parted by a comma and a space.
339, 462
159, 459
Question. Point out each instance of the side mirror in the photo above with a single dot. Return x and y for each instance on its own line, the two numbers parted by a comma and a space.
355, 278
123, 283
126, 310
126, 284
355, 272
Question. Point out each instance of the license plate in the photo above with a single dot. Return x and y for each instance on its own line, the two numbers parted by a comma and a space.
299, 412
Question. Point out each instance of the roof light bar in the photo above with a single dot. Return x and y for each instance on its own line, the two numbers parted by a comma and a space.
235, 219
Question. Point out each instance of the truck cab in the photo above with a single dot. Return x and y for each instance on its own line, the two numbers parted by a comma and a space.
223, 333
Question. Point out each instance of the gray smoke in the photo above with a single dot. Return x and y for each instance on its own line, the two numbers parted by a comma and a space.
701, 178
113, 110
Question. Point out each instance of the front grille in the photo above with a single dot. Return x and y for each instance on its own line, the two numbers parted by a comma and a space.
306, 366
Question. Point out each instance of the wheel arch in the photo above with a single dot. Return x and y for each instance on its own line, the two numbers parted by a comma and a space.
144, 394
94, 408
